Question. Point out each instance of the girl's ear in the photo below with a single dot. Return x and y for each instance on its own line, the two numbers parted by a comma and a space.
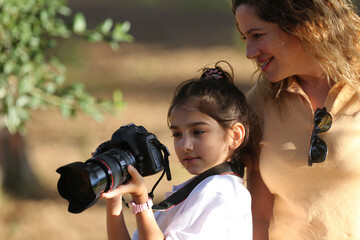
236, 135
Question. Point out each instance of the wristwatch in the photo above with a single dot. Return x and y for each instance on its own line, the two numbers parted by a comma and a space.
136, 208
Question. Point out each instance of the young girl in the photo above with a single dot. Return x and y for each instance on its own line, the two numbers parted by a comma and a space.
211, 124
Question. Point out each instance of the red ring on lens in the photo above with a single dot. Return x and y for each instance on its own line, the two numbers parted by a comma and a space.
109, 171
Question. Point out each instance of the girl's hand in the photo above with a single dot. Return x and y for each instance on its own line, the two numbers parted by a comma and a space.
136, 187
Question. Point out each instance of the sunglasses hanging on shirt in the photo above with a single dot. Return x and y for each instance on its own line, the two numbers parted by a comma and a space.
318, 148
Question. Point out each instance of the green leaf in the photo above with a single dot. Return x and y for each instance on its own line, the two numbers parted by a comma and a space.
79, 26
25, 85
118, 98
126, 26
59, 79
34, 42
120, 32
22, 101
9, 66
114, 45
106, 26
50, 87
36, 103
44, 16
13, 118
95, 37
64, 10
66, 109
2, 93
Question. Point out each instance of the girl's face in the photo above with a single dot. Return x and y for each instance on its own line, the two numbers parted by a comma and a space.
199, 140
280, 55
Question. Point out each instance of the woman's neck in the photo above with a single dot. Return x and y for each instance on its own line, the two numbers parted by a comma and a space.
316, 89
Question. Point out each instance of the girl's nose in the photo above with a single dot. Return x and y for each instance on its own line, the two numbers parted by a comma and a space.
186, 144
252, 51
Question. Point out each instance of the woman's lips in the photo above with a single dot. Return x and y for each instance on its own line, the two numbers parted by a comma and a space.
265, 64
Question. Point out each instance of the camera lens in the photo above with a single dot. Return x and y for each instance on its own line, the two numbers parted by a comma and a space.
80, 186
82, 183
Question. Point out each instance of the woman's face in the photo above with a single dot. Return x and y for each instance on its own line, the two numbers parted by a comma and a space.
280, 55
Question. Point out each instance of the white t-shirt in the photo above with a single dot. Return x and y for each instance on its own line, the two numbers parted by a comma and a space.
218, 208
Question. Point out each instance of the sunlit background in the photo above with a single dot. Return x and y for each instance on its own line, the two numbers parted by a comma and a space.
172, 41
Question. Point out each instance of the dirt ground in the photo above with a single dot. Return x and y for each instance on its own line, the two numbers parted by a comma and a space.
147, 73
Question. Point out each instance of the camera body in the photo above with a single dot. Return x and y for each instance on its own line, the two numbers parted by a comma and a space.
143, 145
82, 183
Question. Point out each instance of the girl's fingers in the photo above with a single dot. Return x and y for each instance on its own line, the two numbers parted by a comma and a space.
135, 186
113, 193
136, 177
109, 195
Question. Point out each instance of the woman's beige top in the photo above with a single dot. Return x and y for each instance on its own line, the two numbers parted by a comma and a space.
321, 201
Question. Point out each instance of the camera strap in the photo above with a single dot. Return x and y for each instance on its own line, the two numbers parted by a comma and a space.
166, 171
183, 193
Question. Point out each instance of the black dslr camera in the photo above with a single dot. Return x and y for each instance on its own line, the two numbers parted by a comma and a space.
82, 183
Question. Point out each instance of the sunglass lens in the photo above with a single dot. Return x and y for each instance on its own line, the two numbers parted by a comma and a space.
322, 120
318, 150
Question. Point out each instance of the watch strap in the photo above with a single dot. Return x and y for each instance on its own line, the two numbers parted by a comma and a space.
137, 208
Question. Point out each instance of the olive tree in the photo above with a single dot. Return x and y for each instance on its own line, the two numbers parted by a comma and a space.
32, 77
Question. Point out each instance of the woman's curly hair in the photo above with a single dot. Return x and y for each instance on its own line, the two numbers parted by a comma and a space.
329, 31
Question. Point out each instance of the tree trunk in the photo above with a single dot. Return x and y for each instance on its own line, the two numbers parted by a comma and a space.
16, 175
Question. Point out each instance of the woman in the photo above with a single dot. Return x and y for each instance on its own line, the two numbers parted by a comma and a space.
306, 184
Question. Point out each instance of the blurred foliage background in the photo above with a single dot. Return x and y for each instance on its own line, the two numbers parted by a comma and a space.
132, 81
171, 41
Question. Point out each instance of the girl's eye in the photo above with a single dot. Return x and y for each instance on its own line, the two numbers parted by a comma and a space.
176, 134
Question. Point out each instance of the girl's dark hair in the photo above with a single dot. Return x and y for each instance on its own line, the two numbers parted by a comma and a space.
216, 95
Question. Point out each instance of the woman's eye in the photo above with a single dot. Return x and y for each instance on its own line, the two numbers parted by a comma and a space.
257, 35
199, 132
254, 36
